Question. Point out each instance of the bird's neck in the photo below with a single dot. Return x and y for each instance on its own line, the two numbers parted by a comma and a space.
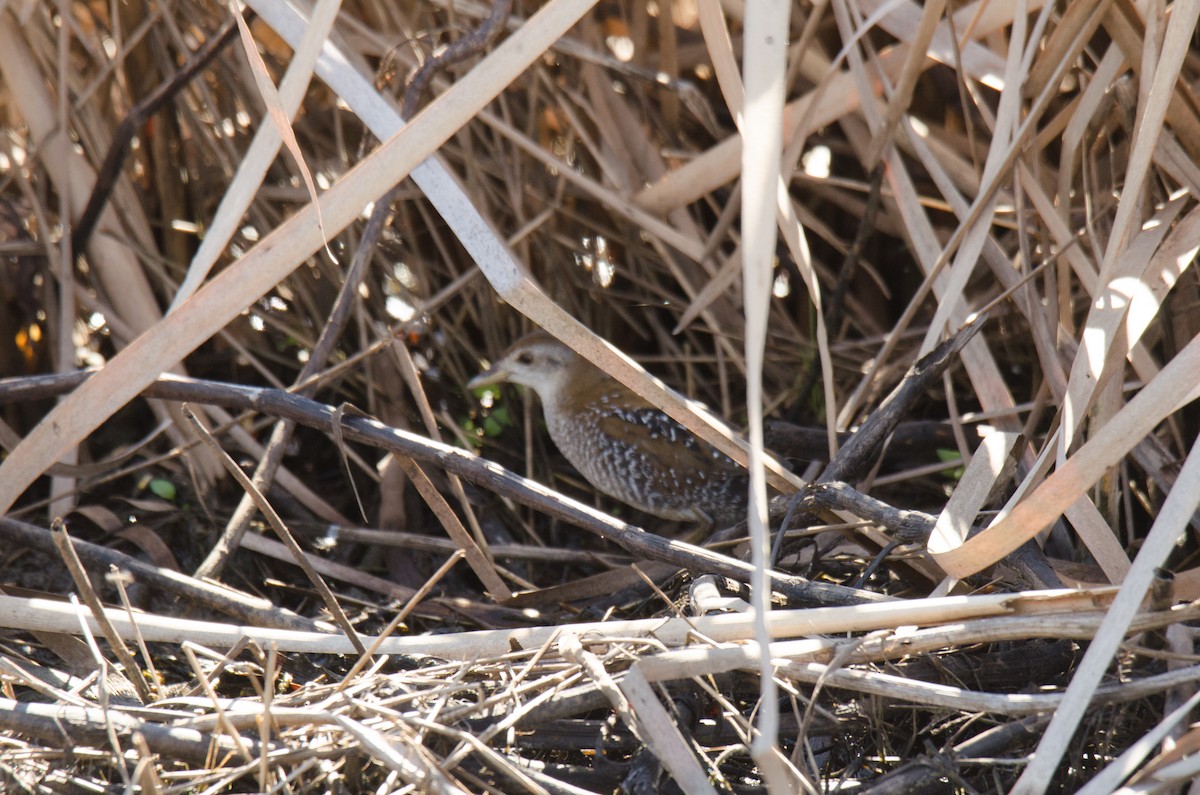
584, 385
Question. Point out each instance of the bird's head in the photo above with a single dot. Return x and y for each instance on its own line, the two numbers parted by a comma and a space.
537, 361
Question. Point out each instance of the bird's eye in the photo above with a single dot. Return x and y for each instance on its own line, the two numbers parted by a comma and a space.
525, 358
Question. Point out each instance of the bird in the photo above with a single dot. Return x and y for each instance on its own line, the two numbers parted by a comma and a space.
621, 444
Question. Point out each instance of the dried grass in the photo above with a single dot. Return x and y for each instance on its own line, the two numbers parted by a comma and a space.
1034, 159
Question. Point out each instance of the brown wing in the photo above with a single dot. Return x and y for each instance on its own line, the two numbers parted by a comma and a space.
666, 441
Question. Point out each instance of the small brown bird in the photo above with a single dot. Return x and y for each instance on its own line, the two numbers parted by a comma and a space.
621, 444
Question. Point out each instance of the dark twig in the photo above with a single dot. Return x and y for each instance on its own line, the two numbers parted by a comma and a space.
860, 450
467, 465
133, 121
913, 443
923, 774
835, 306
858, 454
468, 45
907, 527
67, 726
473, 42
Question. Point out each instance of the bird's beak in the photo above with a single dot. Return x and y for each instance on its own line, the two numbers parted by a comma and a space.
491, 376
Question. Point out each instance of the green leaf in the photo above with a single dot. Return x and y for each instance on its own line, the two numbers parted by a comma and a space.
162, 488
949, 456
492, 426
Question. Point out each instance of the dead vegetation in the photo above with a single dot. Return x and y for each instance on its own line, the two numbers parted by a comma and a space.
370, 606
